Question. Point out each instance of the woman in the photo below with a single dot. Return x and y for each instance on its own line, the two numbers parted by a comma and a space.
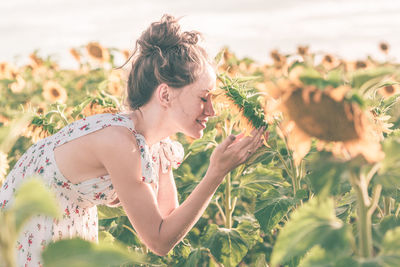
126, 159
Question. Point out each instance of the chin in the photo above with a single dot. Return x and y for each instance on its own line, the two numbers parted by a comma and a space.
196, 135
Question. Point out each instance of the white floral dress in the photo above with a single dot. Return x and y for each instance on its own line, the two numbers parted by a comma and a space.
77, 201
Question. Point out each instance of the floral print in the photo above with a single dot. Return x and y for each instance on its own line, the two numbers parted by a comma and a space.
77, 201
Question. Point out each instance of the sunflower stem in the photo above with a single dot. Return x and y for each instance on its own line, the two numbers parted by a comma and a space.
228, 207
387, 207
397, 210
365, 209
220, 209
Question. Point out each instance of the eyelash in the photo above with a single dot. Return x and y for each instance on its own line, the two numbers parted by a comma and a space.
203, 99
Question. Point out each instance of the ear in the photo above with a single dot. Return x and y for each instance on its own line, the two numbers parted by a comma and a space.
164, 95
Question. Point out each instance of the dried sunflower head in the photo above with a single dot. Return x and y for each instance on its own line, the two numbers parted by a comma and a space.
338, 124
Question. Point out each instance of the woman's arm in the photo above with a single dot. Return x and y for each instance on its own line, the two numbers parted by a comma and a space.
161, 234
167, 197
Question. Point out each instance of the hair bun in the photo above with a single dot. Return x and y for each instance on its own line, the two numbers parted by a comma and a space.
165, 34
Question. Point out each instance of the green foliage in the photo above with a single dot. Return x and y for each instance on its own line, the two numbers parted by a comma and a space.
33, 198
389, 173
313, 224
226, 245
271, 208
327, 175
105, 212
78, 252
302, 214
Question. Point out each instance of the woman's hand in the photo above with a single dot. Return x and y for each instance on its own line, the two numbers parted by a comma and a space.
234, 151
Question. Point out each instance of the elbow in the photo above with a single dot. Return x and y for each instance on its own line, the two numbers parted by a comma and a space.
160, 252
159, 249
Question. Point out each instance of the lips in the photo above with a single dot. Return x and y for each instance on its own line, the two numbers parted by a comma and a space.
202, 123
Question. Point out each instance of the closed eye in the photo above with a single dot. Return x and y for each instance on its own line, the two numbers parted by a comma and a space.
203, 99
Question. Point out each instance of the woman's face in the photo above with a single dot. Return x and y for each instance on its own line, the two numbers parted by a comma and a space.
192, 105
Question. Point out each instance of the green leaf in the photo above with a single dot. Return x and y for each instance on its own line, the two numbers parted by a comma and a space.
319, 257
326, 174
387, 223
204, 143
10, 133
226, 245
312, 224
390, 253
334, 77
33, 198
310, 76
388, 175
200, 257
106, 237
105, 212
260, 179
77, 252
261, 262
271, 207
360, 77
259, 155
249, 229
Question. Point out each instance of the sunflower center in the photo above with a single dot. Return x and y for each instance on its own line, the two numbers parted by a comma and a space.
360, 64
328, 59
55, 92
389, 89
96, 51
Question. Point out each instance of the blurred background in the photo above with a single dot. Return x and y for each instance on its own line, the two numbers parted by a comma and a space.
347, 28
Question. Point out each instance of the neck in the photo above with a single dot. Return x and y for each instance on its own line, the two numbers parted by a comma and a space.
151, 123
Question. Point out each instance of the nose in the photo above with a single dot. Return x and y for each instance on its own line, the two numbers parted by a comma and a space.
209, 109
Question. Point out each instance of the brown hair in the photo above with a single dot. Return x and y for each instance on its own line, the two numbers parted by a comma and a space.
164, 54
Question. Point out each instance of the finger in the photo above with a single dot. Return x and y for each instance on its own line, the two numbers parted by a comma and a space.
228, 141
255, 134
253, 145
238, 138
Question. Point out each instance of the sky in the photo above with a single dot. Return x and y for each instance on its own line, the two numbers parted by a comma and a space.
251, 28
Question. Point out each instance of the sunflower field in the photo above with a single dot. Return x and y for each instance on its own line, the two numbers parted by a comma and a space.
324, 190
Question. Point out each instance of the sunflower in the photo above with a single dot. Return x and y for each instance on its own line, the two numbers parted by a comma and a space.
279, 59
3, 166
97, 53
95, 108
8, 71
35, 132
4, 120
75, 54
53, 92
384, 47
41, 109
18, 85
330, 62
115, 84
351, 66
36, 62
250, 114
302, 50
339, 125
389, 90
126, 54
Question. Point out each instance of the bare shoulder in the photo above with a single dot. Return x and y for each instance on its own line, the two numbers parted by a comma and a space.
114, 137
117, 150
